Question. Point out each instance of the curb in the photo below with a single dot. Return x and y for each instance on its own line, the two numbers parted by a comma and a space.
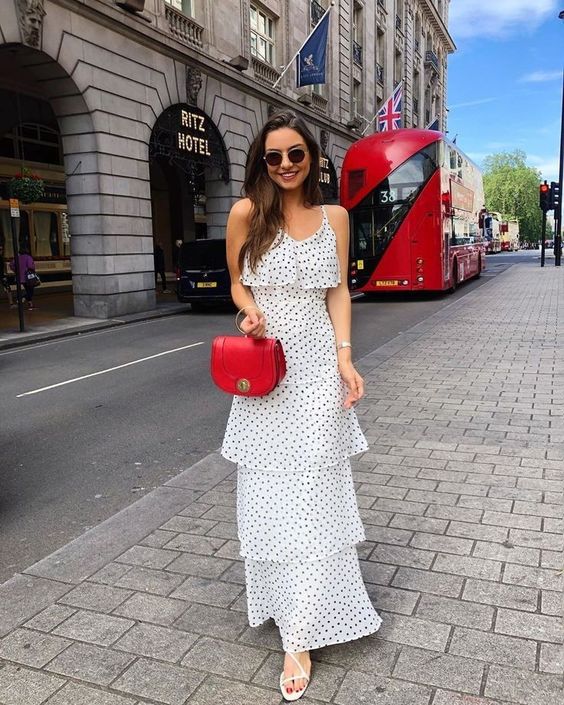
44, 336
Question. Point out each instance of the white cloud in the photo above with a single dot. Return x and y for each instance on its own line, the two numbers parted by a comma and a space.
541, 76
466, 104
548, 166
471, 18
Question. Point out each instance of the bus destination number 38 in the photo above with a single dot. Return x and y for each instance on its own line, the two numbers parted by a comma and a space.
389, 196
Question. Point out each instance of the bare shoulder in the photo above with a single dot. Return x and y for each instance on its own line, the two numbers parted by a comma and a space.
241, 210
238, 223
337, 214
338, 218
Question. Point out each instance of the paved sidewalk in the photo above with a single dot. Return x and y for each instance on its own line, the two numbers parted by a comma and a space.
461, 494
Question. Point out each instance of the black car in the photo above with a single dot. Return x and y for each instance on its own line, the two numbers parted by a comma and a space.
202, 276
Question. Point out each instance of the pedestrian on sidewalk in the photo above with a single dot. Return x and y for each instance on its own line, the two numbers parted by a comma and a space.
4, 278
26, 264
158, 254
297, 514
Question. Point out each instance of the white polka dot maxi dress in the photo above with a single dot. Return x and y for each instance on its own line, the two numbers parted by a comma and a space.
297, 515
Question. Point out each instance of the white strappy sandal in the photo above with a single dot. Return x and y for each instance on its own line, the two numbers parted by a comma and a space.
296, 695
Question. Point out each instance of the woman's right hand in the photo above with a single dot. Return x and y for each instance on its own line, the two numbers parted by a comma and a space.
254, 324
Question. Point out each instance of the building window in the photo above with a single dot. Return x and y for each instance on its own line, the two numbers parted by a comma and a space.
262, 35
357, 34
32, 142
184, 6
416, 95
357, 98
399, 14
380, 54
316, 10
398, 68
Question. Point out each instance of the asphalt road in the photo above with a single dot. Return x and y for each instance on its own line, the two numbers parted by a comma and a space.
75, 454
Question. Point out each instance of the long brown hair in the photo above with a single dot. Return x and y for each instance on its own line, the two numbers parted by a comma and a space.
264, 194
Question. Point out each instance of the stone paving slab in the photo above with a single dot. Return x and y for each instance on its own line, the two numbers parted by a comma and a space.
461, 494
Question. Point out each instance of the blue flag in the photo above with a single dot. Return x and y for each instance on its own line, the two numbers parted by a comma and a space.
311, 57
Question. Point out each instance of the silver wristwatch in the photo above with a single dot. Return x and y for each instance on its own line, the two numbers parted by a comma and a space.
343, 344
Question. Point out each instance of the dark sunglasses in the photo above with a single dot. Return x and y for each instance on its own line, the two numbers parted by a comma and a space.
295, 155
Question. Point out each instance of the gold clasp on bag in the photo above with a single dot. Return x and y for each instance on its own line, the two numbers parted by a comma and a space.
243, 385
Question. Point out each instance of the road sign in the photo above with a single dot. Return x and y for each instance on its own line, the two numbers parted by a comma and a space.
14, 208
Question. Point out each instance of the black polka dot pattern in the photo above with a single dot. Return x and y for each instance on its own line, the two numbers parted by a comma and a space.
297, 516
314, 603
316, 515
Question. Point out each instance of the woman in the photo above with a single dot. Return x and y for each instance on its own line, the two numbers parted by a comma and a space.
297, 515
25, 263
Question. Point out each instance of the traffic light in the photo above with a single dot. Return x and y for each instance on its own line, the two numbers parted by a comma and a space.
554, 196
544, 197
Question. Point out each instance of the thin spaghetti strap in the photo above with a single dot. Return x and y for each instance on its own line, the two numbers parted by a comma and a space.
325, 220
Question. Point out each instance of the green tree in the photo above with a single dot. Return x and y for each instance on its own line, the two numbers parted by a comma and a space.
512, 189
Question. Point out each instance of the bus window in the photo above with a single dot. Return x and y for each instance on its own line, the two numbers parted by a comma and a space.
24, 238
376, 219
6, 233
460, 232
22, 230
42, 222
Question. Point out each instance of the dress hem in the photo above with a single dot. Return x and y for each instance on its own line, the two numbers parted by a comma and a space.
331, 642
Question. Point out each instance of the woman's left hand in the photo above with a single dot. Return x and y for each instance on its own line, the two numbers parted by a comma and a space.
354, 382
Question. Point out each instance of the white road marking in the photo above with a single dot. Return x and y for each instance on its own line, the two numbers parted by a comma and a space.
110, 369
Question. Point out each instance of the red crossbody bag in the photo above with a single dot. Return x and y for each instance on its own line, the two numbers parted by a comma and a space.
248, 367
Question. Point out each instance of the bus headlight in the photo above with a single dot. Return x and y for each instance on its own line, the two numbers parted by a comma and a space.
419, 260
420, 280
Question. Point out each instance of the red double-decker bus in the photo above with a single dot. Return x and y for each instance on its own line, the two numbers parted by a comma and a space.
414, 201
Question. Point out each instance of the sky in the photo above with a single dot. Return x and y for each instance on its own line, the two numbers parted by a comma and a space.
505, 79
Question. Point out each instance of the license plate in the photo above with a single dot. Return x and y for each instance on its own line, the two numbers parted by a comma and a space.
387, 282
206, 285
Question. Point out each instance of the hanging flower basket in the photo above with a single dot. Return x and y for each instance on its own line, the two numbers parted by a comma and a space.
26, 187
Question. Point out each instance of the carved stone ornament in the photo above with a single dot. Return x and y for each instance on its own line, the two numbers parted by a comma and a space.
30, 16
193, 84
270, 110
324, 140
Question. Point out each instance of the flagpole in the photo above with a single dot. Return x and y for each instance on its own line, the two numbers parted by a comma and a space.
303, 45
370, 123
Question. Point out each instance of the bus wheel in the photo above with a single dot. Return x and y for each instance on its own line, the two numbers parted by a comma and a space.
454, 279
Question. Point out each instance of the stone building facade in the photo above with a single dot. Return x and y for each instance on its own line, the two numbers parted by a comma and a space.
154, 104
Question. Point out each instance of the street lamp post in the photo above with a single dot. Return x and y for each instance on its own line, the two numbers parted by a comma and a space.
558, 213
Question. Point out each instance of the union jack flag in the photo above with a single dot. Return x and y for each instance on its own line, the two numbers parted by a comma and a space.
389, 115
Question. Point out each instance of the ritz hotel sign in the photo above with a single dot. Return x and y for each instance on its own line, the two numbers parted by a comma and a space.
324, 174
189, 142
